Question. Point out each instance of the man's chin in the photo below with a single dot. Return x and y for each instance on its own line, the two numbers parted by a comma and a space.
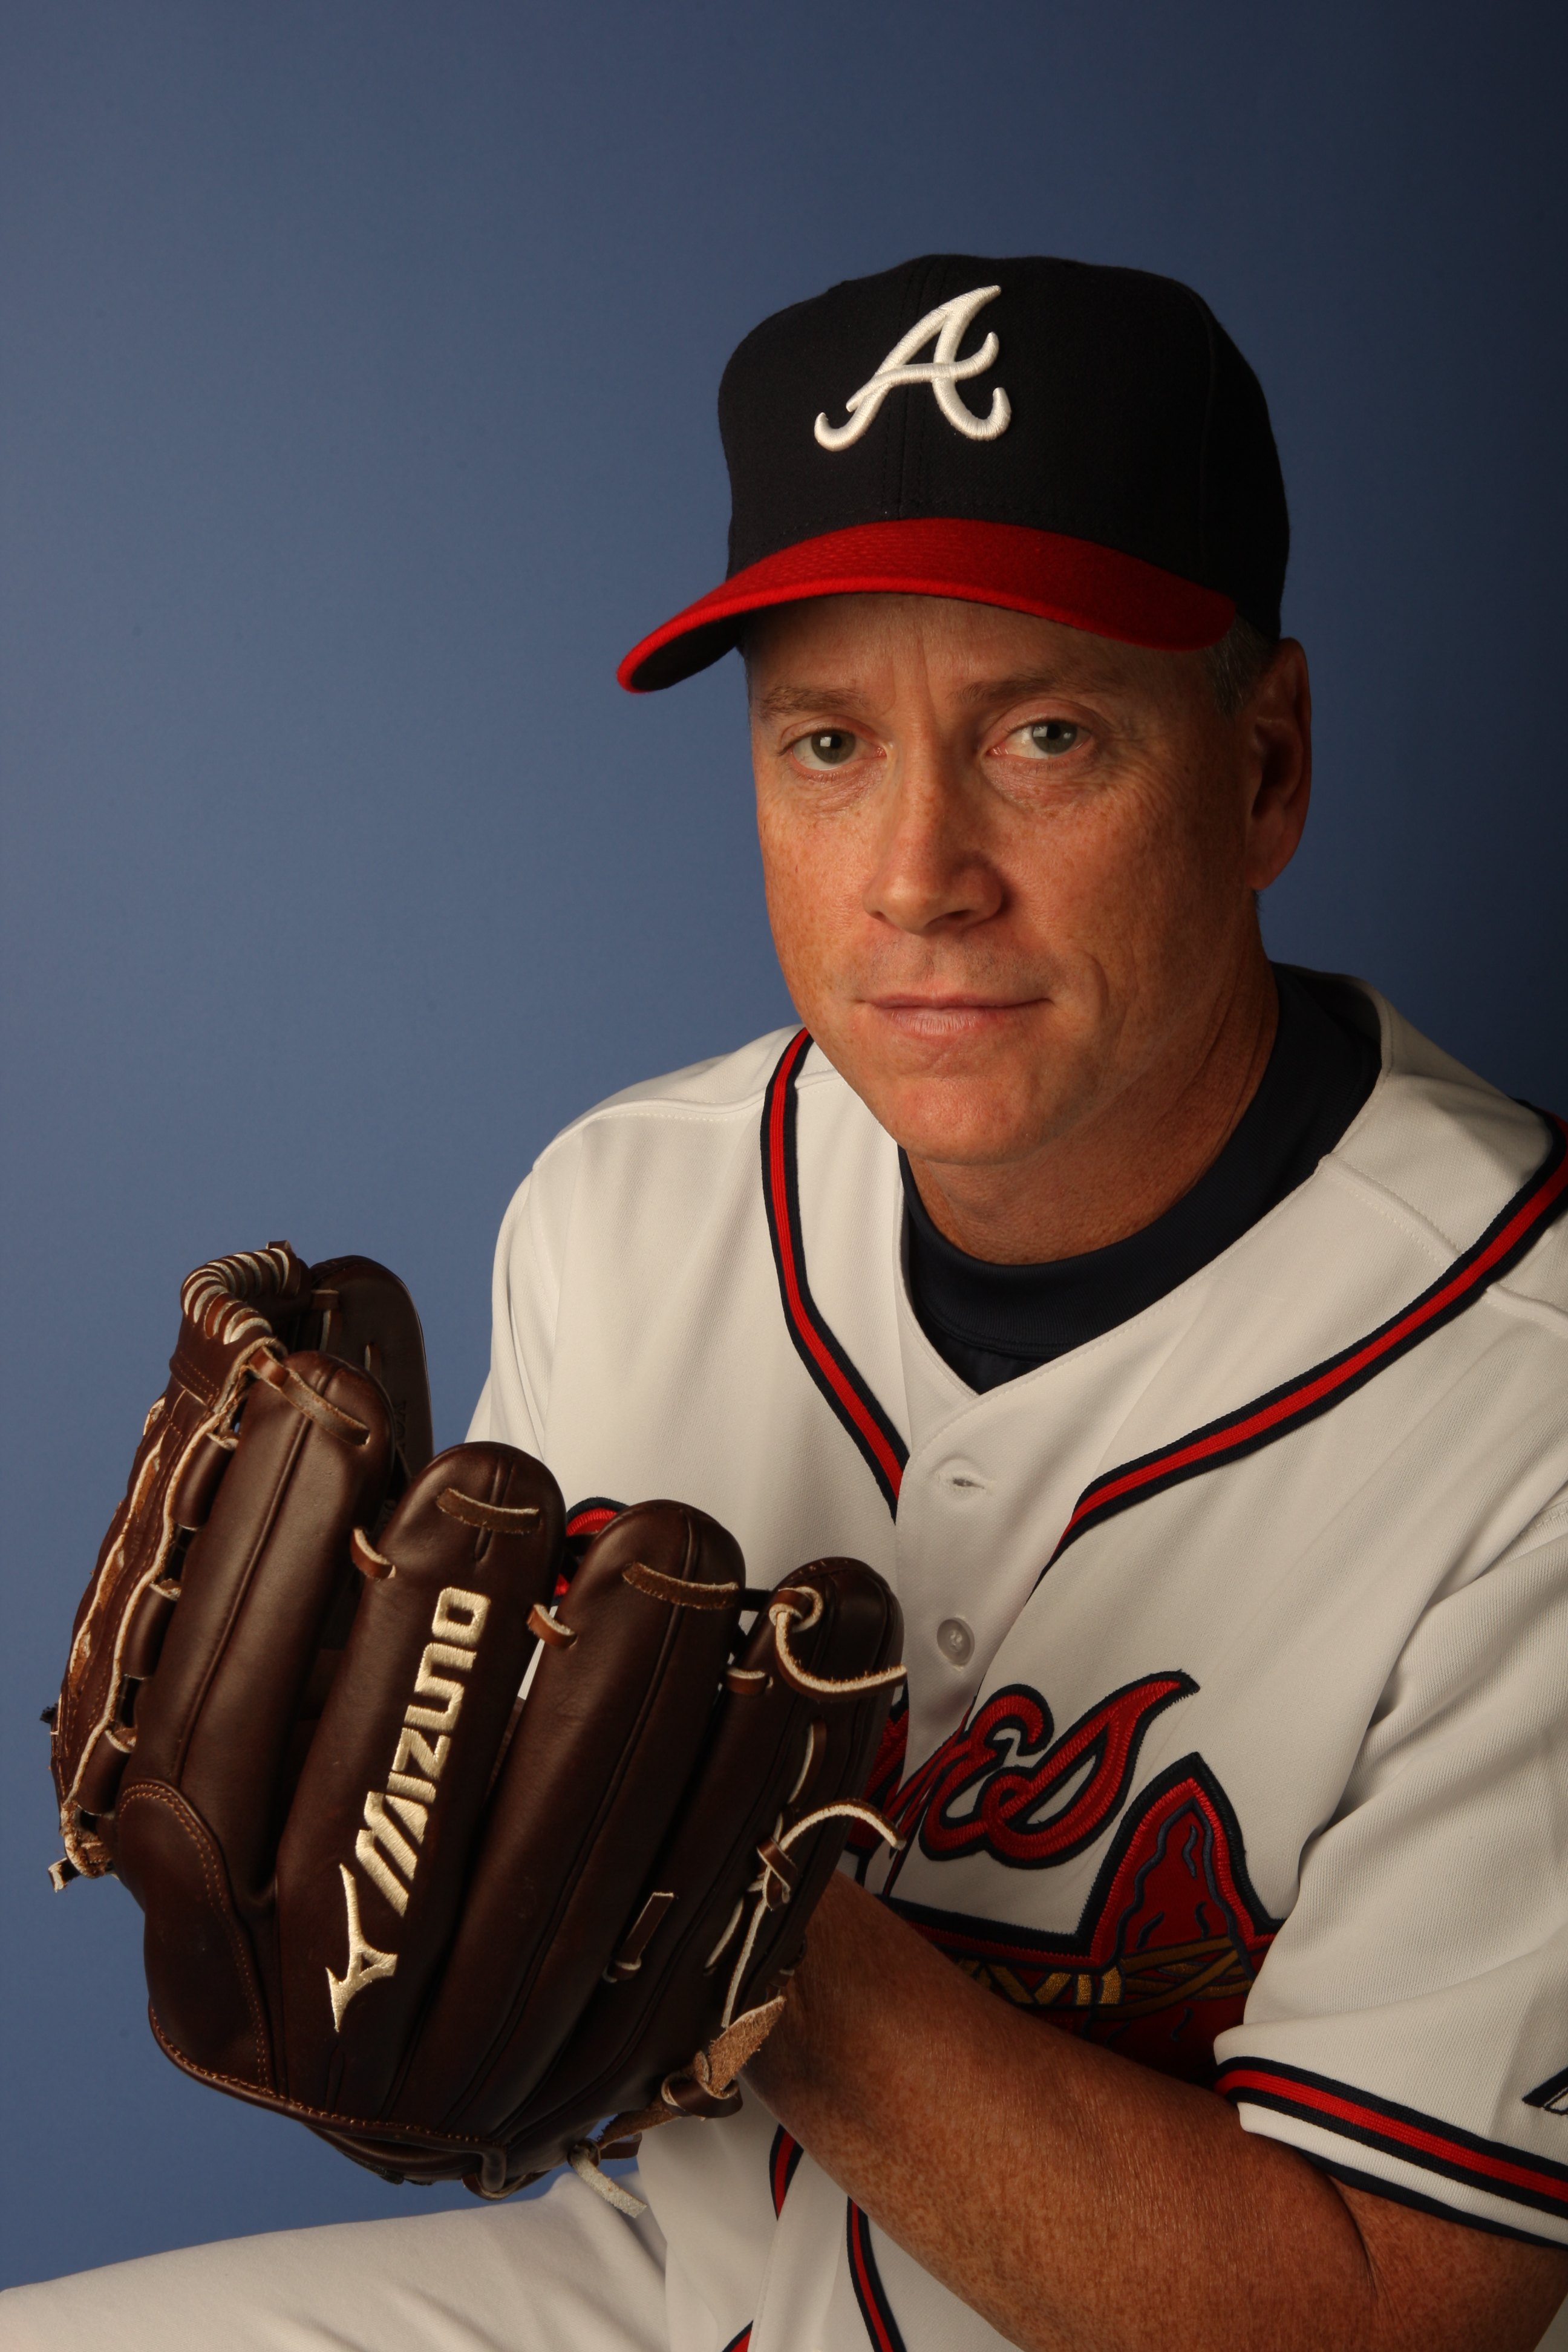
983, 1095
959, 1120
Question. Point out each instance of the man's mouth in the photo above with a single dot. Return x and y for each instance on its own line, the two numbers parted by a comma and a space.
949, 1014
954, 1000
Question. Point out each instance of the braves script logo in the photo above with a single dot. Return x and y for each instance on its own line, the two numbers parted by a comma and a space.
1004, 1786
944, 371
1172, 1933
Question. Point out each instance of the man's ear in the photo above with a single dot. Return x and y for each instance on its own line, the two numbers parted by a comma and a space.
1275, 726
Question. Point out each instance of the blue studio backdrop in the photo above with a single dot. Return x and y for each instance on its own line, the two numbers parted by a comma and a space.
356, 384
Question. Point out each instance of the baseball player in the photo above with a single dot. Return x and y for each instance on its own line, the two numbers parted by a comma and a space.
1185, 1339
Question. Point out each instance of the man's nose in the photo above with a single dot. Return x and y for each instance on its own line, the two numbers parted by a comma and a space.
932, 870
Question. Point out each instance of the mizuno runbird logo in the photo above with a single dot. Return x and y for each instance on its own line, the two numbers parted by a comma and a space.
387, 1848
945, 371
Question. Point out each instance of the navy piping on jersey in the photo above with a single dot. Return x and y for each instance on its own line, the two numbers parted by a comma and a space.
1515, 1228
1355, 2114
1424, 2140
1398, 2192
818, 1349
995, 1323
870, 2292
783, 2158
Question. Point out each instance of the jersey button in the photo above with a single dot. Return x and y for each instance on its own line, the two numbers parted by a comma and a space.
955, 1641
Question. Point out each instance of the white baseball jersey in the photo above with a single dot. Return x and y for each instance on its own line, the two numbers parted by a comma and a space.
1237, 1637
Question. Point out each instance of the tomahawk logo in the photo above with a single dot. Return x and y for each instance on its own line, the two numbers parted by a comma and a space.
1172, 1934
944, 371
395, 1819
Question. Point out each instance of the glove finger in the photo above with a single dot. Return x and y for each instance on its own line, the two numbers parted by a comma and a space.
202, 1799
381, 1833
860, 1634
363, 1314
230, 1312
617, 1713
777, 1754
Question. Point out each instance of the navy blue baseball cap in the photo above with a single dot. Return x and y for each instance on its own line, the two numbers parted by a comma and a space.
1082, 443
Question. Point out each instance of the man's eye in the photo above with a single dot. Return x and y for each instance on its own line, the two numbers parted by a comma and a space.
1044, 739
829, 747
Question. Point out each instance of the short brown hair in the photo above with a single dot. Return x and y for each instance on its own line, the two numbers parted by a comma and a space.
1237, 663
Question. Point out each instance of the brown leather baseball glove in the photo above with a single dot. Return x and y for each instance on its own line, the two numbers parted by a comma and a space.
450, 1927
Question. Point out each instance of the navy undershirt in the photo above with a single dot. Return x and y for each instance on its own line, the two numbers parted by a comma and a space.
993, 1322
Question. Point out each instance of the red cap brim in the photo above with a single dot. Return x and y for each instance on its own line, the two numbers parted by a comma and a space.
1039, 572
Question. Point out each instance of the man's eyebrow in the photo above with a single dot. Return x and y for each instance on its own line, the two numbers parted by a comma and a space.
1012, 690
794, 701
791, 702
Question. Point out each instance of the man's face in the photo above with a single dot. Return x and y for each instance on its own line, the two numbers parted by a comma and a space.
1009, 865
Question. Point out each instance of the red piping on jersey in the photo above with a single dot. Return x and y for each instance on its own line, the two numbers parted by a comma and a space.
783, 2158
870, 2292
1398, 2131
823, 1356
1517, 1227
740, 2343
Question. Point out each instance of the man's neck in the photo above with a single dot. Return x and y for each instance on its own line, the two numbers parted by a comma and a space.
1114, 1173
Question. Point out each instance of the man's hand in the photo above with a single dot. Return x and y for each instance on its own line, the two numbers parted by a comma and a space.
1083, 2203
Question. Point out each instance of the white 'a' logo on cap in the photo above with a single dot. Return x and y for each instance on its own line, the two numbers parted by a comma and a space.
945, 371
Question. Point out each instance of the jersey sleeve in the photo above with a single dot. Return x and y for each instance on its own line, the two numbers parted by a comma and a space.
513, 1405
1408, 2029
